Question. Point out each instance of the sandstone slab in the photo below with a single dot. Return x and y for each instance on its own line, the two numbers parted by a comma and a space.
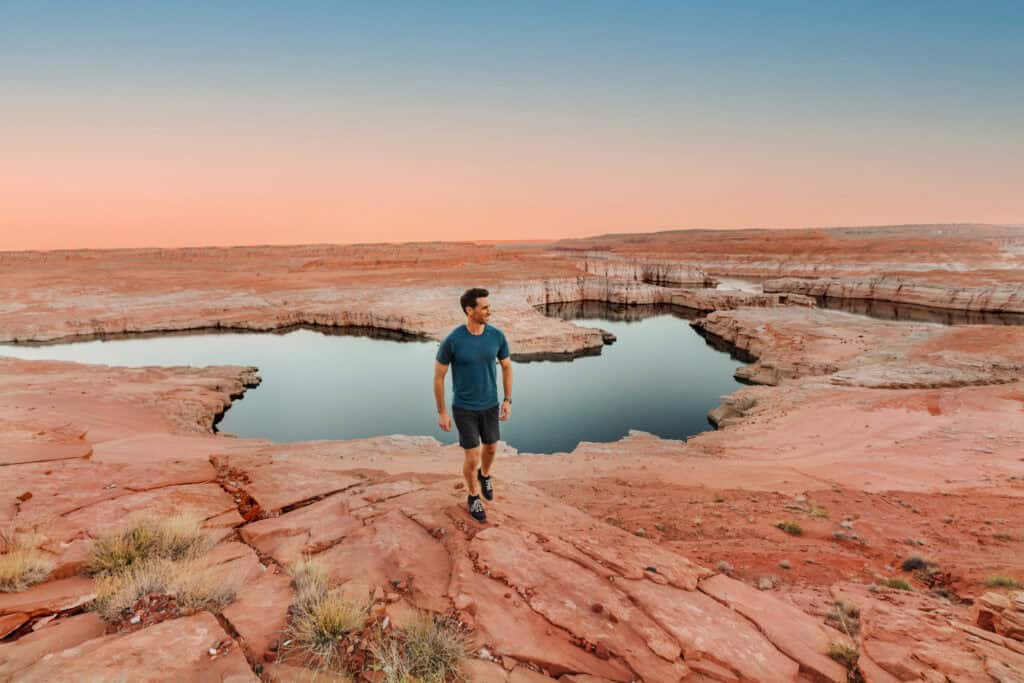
175, 650
793, 632
56, 636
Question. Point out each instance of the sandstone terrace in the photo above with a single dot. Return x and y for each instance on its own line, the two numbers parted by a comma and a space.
909, 435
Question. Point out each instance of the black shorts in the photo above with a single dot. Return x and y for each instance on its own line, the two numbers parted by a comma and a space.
476, 425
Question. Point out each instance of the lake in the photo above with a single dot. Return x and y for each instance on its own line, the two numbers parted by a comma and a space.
659, 376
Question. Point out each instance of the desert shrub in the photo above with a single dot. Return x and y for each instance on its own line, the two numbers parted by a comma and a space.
22, 564
898, 584
177, 537
310, 581
318, 628
430, 650
847, 656
816, 510
914, 562
844, 617
1002, 582
193, 587
321, 618
791, 528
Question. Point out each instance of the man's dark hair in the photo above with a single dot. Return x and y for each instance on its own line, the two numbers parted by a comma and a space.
469, 297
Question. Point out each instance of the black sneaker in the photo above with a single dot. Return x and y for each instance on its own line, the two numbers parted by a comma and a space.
476, 508
485, 485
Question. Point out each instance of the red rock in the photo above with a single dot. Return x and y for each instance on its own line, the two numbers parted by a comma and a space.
49, 597
796, 634
512, 628
306, 530
393, 547
54, 637
636, 638
204, 500
522, 674
480, 671
873, 673
286, 673
711, 632
11, 622
279, 480
175, 650
260, 611
234, 563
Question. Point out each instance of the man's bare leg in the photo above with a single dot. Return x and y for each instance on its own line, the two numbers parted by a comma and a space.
469, 466
487, 458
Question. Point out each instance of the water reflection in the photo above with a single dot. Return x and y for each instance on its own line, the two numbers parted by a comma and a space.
888, 310
600, 310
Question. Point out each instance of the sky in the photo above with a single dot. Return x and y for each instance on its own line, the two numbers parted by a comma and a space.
132, 124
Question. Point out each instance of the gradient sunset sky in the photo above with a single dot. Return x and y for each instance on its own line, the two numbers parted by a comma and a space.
219, 123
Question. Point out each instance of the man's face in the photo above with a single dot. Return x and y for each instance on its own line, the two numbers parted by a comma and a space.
482, 312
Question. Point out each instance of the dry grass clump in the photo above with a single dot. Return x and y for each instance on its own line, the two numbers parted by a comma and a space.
152, 558
848, 657
430, 650
192, 586
172, 538
791, 528
310, 581
1002, 582
331, 633
22, 564
845, 617
319, 628
898, 584
321, 618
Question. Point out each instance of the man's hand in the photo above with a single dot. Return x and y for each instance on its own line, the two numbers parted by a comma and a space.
444, 421
506, 410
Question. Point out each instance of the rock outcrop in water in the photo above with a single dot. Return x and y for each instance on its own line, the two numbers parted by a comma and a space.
873, 457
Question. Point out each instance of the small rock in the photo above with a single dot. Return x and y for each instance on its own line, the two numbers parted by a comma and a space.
785, 564
212, 651
640, 532
765, 583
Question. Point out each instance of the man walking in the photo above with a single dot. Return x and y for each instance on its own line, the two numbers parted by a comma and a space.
471, 350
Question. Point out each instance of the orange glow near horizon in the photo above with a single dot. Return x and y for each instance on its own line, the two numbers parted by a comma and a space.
110, 194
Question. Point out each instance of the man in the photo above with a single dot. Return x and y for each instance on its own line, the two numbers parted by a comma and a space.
471, 350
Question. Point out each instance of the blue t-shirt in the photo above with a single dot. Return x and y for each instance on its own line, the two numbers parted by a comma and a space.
472, 359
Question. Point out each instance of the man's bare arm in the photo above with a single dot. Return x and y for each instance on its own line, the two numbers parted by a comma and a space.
440, 370
506, 376
443, 419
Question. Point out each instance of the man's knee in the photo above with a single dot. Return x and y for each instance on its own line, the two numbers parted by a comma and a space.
473, 455
490, 448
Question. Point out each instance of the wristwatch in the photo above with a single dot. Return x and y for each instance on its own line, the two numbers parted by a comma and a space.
509, 400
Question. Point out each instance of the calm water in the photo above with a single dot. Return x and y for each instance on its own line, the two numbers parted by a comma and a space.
888, 310
659, 376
